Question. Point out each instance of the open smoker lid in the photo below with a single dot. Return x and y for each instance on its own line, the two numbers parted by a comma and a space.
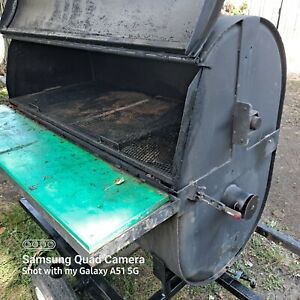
180, 26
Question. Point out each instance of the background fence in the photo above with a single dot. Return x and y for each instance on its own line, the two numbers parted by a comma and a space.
286, 15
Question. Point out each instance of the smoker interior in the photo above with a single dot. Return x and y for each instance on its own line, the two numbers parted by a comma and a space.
131, 105
142, 126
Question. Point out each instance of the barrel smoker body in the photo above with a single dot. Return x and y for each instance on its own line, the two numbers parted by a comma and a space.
224, 87
243, 80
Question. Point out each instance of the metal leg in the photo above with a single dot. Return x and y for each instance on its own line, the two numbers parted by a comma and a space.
171, 284
280, 238
236, 288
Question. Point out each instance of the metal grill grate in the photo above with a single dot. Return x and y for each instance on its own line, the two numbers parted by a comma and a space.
156, 150
141, 126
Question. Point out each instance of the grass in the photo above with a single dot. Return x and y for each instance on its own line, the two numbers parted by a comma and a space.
272, 264
17, 226
3, 95
263, 260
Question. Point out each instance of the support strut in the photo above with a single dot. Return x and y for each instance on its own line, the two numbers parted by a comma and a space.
279, 238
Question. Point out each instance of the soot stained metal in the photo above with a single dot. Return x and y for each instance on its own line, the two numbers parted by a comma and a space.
186, 103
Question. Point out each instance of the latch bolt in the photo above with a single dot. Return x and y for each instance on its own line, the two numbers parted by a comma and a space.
201, 196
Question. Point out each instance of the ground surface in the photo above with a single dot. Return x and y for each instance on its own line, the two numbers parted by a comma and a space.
284, 198
277, 272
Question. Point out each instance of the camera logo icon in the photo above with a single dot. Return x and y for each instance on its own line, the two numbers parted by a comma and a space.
43, 244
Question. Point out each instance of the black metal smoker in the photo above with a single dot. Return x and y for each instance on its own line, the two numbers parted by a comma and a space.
194, 101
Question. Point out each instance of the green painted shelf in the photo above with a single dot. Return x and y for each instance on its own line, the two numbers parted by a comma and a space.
93, 201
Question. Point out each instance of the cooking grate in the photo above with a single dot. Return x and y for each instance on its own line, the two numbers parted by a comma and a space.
142, 126
156, 150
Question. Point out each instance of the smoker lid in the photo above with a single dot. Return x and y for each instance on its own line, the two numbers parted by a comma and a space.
176, 25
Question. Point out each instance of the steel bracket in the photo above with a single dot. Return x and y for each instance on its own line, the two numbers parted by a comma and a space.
241, 123
245, 121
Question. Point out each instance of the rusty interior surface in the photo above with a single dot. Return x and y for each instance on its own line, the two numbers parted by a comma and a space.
143, 127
